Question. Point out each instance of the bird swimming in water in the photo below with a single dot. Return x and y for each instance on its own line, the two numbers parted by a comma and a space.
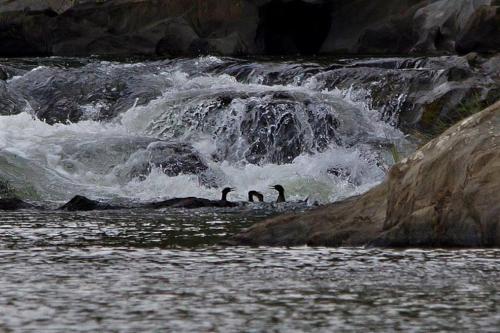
255, 194
281, 191
225, 192
80, 203
193, 202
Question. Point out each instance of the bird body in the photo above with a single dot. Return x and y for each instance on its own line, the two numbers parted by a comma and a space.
254, 194
193, 202
281, 193
80, 203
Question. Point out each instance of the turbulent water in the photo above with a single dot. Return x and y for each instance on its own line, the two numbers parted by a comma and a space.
144, 130
90, 127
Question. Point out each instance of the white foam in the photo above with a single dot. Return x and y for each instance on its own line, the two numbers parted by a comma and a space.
309, 175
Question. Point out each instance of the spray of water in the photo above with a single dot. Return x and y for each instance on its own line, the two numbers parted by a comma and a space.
317, 143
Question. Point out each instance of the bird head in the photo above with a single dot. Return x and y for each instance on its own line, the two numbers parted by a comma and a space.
228, 189
278, 188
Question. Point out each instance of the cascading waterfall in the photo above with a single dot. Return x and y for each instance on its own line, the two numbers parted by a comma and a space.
160, 129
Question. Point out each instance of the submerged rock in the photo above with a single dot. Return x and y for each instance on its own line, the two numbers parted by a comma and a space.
81, 203
14, 204
446, 194
172, 158
128, 158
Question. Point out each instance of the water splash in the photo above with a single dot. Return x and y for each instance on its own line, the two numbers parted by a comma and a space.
318, 143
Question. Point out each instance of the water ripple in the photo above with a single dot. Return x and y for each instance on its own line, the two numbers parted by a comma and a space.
131, 271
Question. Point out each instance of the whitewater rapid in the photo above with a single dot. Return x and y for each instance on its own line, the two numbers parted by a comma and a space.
318, 143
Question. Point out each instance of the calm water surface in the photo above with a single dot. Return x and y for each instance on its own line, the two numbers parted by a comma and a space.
144, 271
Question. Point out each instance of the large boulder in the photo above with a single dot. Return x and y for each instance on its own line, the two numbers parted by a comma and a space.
171, 158
446, 194
423, 93
402, 26
125, 27
93, 91
9, 102
228, 27
128, 157
482, 32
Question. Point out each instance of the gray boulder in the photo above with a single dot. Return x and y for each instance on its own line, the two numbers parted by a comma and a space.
171, 158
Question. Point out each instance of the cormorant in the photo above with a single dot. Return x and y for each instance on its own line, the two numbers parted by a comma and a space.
225, 192
281, 191
256, 194
193, 202
81, 203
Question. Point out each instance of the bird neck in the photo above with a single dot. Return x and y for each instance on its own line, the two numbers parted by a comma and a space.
281, 197
224, 196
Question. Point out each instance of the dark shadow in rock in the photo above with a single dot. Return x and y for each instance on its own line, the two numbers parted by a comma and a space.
291, 27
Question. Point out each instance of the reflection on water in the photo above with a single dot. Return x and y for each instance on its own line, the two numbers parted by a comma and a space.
157, 271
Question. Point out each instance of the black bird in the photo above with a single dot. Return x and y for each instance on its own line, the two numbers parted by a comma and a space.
81, 203
255, 194
193, 202
225, 192
281, 191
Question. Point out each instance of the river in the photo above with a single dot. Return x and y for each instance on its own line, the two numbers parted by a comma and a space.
136, 130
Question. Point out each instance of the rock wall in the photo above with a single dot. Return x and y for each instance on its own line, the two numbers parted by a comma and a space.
238, 27
446, 194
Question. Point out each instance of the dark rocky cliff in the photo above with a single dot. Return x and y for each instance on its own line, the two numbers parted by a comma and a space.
241, 27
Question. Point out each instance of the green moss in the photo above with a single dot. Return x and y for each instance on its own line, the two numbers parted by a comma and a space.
6, 190
396, 156
434, 124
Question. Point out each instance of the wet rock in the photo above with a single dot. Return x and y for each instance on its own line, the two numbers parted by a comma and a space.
128, 158
446, 194
10, 102
418, 93
260, 127
3, 74
14, 204
171, 158
97, 91
81, 203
